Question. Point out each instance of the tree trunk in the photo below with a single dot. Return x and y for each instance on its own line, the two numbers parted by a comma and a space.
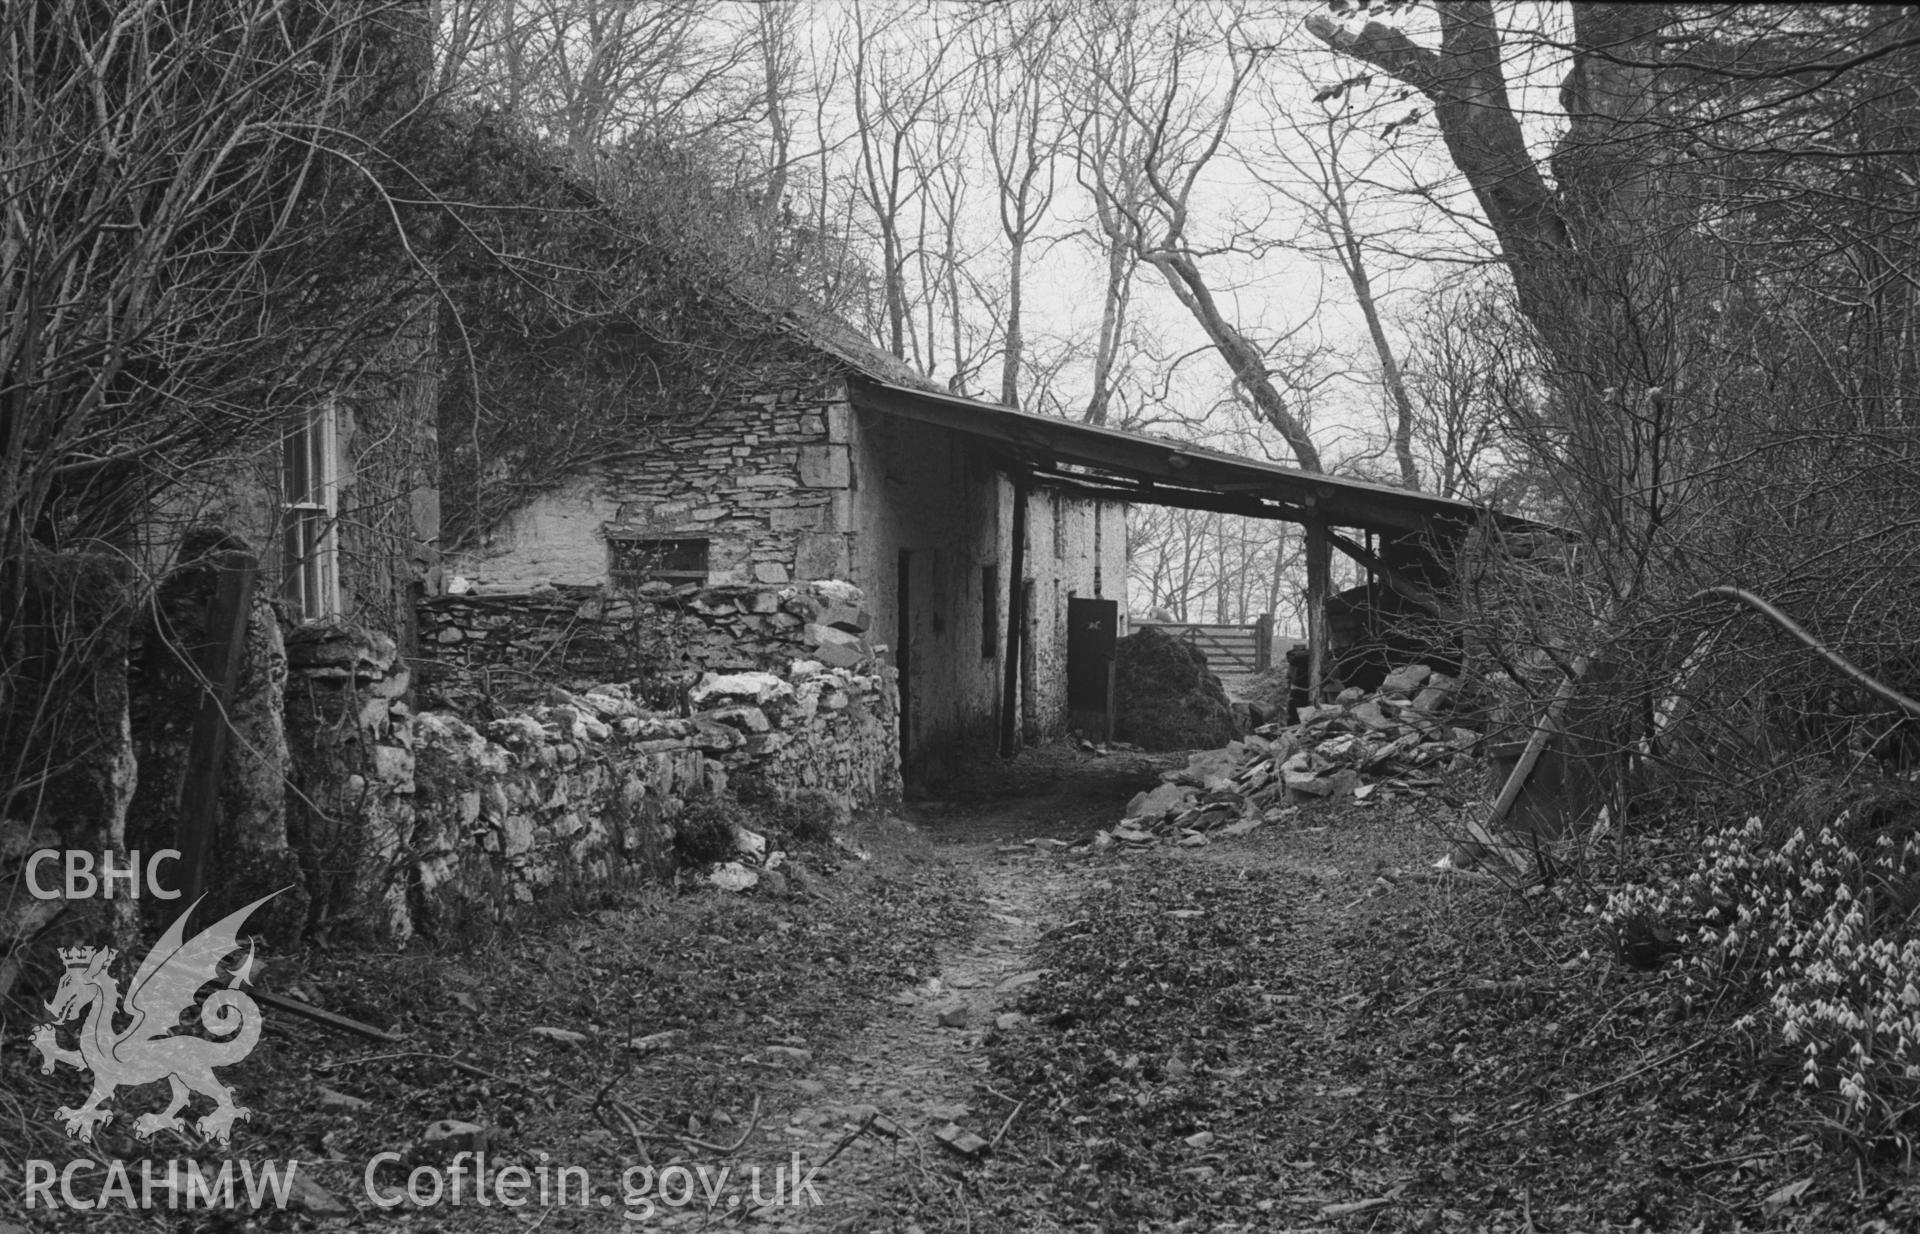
773, 46
1355, 263
1016, 340
1248, 365
1113, 319
1554, 243
1466, 83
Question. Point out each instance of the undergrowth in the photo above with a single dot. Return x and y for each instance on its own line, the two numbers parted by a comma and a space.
1805, 920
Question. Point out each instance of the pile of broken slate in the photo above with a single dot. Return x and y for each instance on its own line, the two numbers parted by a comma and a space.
1367, 746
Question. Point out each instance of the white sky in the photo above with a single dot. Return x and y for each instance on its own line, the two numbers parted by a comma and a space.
1281, 289
1267, 283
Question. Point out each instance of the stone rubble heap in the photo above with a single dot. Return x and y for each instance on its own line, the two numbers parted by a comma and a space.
1396, 738
754, 864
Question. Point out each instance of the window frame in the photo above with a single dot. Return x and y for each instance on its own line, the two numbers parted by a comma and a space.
310, 513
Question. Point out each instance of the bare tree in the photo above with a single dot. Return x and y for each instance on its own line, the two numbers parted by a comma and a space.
942, 252
775, 34
1468, 376
193, 238
1017, 54
588, 73
1105, 169
896, 86
1671, 117
196, 244
1167, 104
1326, 173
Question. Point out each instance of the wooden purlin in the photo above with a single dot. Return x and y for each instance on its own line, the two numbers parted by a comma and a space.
1150, 492
1408, 590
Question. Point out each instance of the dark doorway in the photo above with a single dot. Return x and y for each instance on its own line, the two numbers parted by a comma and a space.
902, 650
1093, 627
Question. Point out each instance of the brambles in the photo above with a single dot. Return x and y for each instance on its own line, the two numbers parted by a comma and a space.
706, 830
805, 816
810, 816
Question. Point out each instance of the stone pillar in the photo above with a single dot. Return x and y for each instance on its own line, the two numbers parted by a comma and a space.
350, 812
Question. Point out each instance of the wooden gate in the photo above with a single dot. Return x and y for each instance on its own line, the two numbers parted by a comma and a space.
1229, 649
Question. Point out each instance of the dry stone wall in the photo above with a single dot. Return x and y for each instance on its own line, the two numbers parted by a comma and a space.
506, 645
418, 820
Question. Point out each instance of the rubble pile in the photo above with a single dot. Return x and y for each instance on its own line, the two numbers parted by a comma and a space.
1396, 738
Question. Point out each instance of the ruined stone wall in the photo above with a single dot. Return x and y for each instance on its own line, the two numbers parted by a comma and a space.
796, 484
422, 821
503, 646
764, 482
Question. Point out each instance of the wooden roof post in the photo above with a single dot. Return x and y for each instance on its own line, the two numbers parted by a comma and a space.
1016, 623
1319, 583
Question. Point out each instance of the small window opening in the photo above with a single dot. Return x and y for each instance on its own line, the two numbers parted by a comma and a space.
633, 562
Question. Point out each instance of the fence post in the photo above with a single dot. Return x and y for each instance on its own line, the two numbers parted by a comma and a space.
1263, 643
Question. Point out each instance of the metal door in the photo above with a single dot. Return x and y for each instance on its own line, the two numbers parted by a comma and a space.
1093, 627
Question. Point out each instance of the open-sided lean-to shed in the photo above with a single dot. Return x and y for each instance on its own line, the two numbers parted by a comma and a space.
1403, 537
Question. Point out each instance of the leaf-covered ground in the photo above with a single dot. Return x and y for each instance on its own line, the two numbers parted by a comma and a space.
750, 986
1305, 1028
1309, 1028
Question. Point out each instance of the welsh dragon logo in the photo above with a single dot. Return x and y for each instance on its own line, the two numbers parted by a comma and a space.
147, 1049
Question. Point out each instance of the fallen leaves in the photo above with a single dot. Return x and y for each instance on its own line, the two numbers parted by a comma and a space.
1302, 1033
605, 1025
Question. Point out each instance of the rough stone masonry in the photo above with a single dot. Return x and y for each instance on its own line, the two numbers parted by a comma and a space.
434, 813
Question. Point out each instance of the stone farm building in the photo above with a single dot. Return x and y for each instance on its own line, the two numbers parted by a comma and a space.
828, 475
344, 673
835, 580
971, 530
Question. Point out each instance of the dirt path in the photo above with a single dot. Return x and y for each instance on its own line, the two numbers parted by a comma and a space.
920, 1065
